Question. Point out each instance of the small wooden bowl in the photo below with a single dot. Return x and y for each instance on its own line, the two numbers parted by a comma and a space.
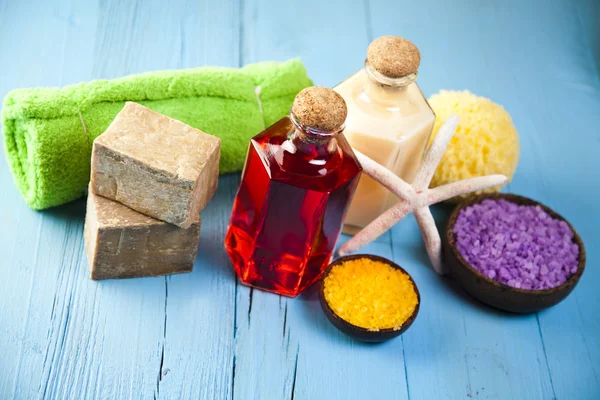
494, 293
357, 332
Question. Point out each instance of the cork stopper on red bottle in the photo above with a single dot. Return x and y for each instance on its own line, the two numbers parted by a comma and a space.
320, 108
393, 56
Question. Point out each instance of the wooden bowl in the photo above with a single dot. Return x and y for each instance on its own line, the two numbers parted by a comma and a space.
494, 293
357, 332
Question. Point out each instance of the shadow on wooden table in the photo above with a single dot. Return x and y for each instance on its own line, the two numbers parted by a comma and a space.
315, 318
73, 211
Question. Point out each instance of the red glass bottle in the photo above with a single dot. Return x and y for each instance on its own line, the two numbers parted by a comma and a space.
296, 187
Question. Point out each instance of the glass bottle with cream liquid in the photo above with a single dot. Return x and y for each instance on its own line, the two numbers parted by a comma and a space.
389, 120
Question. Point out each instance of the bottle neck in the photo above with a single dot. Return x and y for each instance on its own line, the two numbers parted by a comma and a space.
313, 141
385, 90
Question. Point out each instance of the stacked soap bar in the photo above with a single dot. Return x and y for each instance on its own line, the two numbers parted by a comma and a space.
151, 176
122, 243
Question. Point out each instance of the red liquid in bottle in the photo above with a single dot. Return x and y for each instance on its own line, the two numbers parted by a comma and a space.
289, 209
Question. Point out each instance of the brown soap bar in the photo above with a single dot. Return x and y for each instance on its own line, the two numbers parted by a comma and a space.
122, 243
156, 165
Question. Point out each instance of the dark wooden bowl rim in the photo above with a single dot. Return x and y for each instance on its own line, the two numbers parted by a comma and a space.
520, 200
372, 334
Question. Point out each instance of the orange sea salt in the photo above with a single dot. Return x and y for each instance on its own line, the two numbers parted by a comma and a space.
370, 294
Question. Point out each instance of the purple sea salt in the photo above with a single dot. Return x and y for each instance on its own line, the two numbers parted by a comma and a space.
520, 246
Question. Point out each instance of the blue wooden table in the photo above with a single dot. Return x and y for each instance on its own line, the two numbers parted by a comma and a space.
203, 335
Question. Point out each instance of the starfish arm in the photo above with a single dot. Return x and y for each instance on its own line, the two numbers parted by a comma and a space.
465, 186
376, 228
385, 177
434, 154
431, 237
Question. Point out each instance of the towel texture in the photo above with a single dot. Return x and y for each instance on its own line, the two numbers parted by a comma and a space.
48, 133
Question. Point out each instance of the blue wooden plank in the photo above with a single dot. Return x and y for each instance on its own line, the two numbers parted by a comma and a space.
41, 250
561, 172
198, 355
107, 339
300, 353
588, 12
193, 358
330, 37
334, 366
198, 345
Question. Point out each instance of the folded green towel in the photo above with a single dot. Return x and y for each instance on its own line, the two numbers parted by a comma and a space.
48, 133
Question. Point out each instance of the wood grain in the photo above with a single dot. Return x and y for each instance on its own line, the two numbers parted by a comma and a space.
204, 335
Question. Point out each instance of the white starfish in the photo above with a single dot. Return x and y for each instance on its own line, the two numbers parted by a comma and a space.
417, 198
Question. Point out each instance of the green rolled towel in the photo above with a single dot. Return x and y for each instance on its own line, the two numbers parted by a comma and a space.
48, 133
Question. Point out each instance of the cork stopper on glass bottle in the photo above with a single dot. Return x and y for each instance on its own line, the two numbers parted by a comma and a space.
393, 56
320, 108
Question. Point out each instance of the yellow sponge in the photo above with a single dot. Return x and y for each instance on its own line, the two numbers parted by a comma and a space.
486, 141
